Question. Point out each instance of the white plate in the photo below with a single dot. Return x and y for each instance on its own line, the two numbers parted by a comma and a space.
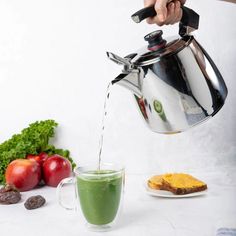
167, 194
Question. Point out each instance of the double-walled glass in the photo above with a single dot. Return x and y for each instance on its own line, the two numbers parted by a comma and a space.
99, 193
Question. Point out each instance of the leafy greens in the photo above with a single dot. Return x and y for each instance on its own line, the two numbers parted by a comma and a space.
31, 140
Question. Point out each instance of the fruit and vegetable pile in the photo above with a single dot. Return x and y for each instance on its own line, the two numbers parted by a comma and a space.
28, 160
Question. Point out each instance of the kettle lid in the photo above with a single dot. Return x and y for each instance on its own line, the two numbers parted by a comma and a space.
158, 47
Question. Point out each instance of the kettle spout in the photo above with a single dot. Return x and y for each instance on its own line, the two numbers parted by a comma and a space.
129, 81
130, 76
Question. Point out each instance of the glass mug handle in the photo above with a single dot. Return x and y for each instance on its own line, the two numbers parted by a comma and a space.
69, 180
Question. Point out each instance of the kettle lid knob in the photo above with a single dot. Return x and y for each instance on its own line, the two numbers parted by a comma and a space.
155, 40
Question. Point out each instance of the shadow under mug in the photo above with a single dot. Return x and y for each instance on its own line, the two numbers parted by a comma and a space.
99, 192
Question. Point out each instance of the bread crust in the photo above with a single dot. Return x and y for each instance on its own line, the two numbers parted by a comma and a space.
182, 191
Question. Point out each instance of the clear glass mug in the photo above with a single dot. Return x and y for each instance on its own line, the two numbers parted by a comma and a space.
99, 192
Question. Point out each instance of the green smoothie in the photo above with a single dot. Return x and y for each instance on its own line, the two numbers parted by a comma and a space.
100, 195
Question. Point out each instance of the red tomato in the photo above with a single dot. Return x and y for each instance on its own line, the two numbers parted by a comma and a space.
38, 158
56, 168
23, 174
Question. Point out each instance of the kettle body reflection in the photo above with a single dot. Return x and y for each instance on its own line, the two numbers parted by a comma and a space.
174, 81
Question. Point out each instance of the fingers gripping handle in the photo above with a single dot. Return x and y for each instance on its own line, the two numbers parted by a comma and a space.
66, 181
145, 13
189, 18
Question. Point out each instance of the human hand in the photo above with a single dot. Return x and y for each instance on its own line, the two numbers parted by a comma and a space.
166, 13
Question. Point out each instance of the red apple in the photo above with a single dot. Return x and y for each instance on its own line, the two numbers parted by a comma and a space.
39, 158
56, 168
23, 174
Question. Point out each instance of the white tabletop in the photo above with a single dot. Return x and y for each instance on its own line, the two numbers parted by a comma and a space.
142, 214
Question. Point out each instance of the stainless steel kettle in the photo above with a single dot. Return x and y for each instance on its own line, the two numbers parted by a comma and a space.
174, 81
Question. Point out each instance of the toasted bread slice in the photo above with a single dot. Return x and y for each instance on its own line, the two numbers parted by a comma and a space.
155, 182
182, 184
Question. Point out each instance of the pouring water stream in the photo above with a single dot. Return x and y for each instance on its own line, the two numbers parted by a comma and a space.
103, 124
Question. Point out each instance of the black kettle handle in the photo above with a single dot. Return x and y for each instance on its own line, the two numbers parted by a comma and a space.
189, 18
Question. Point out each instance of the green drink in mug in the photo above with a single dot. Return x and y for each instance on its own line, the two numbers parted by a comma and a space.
99, 192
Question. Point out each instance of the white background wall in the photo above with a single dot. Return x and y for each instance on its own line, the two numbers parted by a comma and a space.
53, 65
